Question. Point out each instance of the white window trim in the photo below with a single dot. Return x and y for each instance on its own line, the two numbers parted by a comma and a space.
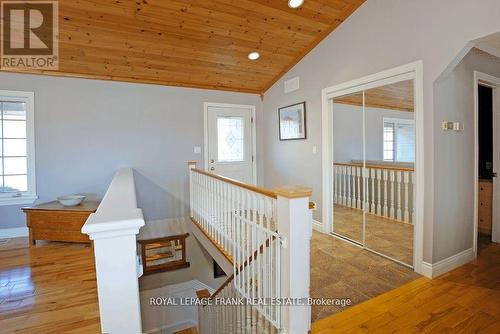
396, 121
30, 196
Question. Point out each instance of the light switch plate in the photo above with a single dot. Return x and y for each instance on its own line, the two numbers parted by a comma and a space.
197, 150
447, 126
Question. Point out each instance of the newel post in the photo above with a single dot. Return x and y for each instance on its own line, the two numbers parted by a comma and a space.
294, 223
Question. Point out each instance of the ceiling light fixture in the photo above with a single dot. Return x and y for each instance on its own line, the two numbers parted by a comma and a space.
295, 3
253, 55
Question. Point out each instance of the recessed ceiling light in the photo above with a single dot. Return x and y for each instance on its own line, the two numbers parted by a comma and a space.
295, 3
253, 55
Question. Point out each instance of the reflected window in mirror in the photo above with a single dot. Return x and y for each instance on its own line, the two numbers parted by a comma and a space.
399, 140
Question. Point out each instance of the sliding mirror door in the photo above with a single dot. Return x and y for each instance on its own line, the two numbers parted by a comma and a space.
390, 170
348, 157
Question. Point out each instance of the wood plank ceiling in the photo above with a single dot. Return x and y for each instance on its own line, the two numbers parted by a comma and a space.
192, 43
397, 96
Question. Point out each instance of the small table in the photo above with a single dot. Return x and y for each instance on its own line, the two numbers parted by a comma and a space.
54, 222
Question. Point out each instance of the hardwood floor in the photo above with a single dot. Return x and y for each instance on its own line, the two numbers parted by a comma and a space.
341, 270
48, 288
466, 300
386, 236
51, 288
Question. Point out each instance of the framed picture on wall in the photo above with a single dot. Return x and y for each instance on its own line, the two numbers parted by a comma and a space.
292, 122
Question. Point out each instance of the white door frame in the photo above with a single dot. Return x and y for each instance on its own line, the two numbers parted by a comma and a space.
406, 72
493, 82
206, 105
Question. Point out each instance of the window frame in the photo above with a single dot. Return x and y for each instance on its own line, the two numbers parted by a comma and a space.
29, 196
395, 121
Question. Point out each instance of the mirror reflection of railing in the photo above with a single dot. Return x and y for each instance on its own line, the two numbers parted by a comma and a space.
388, 188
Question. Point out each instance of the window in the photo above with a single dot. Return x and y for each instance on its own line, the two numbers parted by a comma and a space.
399, 140
17, 160
230, 139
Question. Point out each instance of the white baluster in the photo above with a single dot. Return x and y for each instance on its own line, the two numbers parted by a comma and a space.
344, 182
385, 210
371, 173
398, 211
354, 188
348, 176
339, 175
359, 180
391, 174
406, 178
379, 198
412, 203
335, 184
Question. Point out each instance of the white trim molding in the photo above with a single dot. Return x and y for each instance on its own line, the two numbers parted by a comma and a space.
412, 71
29, 196
14, 232
317, 226
433, 270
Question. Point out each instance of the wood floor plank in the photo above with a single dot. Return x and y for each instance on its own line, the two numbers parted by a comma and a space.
47, 288
466, 300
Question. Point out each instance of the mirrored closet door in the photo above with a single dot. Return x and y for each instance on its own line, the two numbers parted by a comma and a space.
374, 142
349, 154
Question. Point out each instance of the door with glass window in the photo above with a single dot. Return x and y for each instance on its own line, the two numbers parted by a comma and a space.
230, 142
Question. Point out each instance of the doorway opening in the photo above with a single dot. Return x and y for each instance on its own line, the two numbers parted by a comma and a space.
487, 160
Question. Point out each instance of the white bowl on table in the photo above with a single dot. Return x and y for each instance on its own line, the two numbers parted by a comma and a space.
72, 200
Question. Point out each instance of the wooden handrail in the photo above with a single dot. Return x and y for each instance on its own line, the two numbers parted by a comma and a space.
355, 164
250, 187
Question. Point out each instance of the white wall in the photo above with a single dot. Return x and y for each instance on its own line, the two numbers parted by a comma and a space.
348, 131
86, 129
381, 34
454, 155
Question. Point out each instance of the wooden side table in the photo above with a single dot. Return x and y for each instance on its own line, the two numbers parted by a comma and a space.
54, 222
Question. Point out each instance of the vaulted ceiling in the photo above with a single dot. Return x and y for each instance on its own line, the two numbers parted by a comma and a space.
192, 43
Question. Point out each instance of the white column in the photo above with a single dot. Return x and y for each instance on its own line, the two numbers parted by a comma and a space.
113, 228
295, 225
117, 270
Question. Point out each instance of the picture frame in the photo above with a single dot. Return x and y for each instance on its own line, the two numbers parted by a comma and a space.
292, 122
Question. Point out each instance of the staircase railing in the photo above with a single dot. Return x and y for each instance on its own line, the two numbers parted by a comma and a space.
254, 228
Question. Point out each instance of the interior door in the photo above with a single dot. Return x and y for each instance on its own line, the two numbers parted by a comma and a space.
230, 142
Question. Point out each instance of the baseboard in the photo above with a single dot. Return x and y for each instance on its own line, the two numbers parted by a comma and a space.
14, 232
317, 226
434, 270
426, 269
173, 328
